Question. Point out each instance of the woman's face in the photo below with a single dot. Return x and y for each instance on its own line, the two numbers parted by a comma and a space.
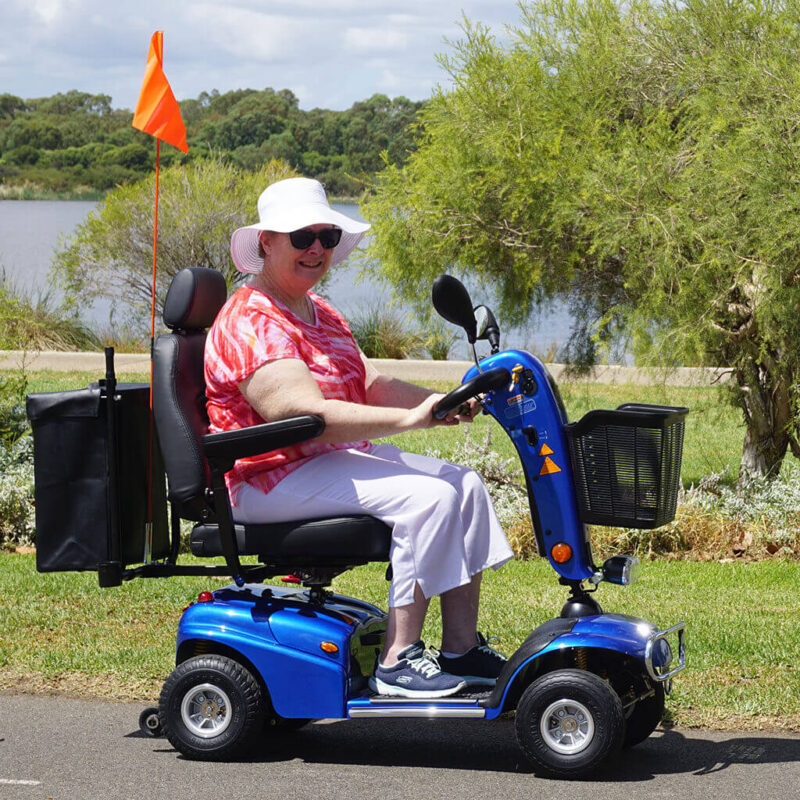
294, 271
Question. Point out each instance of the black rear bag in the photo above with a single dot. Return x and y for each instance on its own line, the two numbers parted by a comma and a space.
91, 476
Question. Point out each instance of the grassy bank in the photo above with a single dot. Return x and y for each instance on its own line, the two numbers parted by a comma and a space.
34, 191
62, 633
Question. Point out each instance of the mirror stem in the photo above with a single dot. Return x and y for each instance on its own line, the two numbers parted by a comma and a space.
475, 358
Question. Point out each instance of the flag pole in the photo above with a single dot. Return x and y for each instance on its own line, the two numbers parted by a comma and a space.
148, 547
158, 114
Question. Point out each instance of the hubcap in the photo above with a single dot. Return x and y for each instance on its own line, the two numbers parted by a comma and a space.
567, 727
205, 710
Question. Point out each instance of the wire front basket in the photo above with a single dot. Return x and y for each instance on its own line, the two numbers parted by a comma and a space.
627, 464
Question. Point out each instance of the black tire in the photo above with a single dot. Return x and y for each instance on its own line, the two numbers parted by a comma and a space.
211, 708
569, 722
644, 717
150, 724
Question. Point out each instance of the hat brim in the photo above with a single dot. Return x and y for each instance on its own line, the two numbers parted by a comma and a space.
244, 241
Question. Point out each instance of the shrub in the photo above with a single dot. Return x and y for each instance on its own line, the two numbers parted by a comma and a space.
758, 519
381, 333
13, 420
440, 341
201, 203
17, 520
16, 464
37, 324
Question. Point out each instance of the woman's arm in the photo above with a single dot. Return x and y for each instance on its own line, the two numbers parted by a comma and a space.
385, 391
285, 388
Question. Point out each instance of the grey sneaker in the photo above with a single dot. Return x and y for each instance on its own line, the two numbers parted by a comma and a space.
479, 666
416, 675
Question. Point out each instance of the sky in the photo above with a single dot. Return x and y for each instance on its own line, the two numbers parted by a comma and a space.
330, 53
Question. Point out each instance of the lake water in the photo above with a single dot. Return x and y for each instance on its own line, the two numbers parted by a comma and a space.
30, 231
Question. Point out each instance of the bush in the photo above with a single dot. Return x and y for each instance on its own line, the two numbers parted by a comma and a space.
758, 519
17, 519
16, 464
385, 334
200, 204
440, 341
36, 324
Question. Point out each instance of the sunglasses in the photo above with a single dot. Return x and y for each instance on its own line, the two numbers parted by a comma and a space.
304, 238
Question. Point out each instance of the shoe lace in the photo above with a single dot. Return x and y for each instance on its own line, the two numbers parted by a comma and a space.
427, 664
488, 649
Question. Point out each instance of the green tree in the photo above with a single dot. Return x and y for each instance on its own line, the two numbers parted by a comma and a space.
200, 204
642, 160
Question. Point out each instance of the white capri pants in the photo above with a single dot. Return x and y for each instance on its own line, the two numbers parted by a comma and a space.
444, 528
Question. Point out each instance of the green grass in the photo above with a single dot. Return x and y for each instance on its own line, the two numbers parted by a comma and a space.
61, 632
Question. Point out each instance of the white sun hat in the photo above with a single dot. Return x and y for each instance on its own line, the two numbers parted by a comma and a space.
287, 206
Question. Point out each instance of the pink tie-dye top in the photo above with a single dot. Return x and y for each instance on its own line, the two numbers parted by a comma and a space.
252, 330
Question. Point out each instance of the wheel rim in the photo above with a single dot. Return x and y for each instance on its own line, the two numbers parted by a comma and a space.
205, 710
567, 727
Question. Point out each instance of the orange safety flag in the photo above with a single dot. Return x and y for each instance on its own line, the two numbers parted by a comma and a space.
157, 111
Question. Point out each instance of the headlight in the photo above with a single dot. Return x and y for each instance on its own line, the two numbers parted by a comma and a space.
662, 654
622, 570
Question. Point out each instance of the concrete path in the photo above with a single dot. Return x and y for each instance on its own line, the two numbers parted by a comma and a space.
81, 750
406, 369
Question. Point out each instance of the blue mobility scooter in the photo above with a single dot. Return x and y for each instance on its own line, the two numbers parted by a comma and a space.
254, 658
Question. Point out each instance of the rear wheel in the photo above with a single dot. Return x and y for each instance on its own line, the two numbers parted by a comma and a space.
569, 722
211, 708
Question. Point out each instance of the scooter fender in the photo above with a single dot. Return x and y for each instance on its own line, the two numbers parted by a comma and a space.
618, 633
300, 651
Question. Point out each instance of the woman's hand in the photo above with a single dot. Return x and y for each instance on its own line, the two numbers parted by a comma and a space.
422, 414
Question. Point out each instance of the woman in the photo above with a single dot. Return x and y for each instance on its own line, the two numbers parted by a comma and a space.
275, 351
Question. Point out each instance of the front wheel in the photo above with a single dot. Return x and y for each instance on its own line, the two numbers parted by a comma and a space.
211, 708
569, 722
644, 717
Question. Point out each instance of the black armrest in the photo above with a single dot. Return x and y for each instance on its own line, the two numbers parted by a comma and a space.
257, 439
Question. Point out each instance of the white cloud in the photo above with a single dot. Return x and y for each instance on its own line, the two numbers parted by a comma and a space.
375, 40
331, 53
47, 11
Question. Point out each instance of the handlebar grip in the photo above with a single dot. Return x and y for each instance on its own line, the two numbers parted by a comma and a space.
487, 381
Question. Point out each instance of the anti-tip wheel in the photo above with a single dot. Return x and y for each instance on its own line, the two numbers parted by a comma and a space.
149, 723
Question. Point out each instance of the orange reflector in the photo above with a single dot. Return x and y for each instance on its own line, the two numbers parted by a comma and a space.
329, 647
549, 467
561, 553
545, 451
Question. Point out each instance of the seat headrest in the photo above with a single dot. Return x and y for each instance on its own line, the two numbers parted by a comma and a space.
194, 298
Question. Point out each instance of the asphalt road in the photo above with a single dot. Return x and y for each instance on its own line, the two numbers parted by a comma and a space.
81, 750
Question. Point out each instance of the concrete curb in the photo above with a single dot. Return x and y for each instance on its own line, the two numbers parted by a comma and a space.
407, 369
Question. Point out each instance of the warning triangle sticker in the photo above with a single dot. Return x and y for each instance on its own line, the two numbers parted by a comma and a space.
545, 451
549, 467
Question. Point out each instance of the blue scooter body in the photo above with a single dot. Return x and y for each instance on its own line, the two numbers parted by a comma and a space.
530, 411
315, 659
311, 657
